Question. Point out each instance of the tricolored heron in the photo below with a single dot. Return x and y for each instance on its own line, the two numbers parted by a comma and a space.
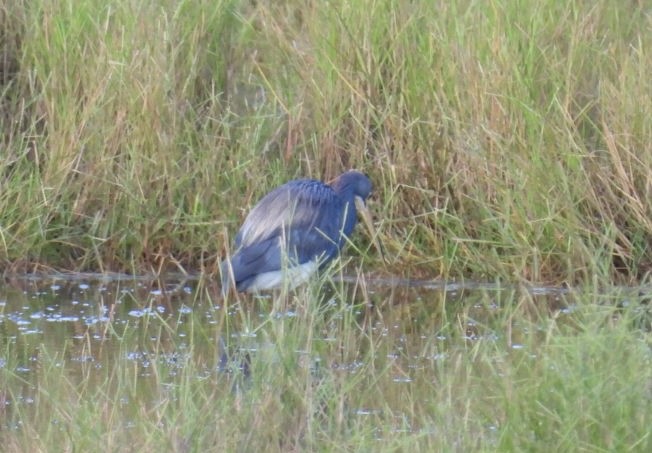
294, 230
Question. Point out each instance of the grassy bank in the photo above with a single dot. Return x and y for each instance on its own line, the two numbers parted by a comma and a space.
505, 139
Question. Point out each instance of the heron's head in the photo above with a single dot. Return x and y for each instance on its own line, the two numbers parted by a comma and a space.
353, 182
359, 186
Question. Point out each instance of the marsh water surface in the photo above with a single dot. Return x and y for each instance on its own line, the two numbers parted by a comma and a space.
83, 329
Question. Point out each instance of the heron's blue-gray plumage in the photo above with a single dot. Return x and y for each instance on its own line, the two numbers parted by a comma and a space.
299, 222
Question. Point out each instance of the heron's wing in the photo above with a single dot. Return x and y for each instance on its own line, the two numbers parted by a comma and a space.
299, 207
303, 216
252, 260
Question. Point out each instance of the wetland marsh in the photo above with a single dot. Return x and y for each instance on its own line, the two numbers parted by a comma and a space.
508, 143
151, 365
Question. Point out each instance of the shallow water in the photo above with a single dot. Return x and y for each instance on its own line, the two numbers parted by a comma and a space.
87, 325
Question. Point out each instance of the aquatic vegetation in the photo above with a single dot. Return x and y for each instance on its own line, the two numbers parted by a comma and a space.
172, 366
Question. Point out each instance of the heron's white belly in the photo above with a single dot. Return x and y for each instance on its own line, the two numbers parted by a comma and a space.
292, 277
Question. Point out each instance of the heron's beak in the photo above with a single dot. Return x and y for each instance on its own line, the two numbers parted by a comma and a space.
366, 217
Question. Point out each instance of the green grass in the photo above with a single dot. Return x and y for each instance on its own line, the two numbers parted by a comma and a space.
505, 139
485, 372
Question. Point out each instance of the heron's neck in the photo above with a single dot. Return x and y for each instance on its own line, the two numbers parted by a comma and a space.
350, 215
